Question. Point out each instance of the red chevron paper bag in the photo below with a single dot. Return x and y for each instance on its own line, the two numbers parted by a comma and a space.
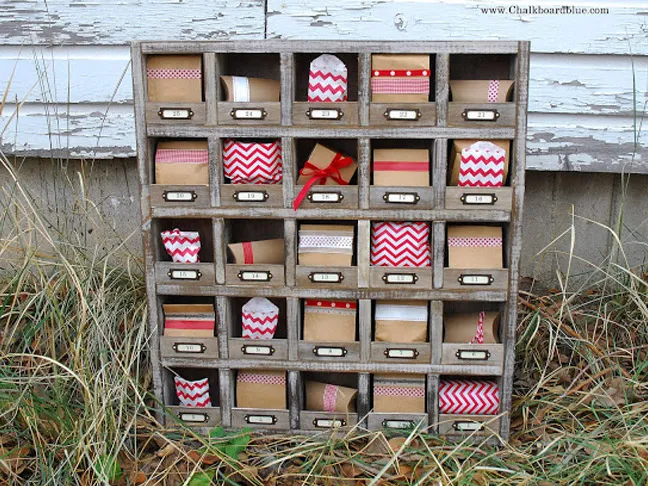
259, 318
482, 91
330, 398
261, 389
327, 80
400, 78
174, 78
189, 320
475, 247
479, 163
182, 246
469, 397
192, 393
399, 394
398, 244
253, 162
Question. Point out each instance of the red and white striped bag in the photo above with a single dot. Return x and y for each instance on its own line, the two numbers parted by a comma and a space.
400, 244
253, 162
259, 319
469, 397
482, 165
192, 393
182, 246
327, 80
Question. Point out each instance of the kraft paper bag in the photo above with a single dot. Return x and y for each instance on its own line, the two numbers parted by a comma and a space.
322, 157
243, 89
468, 397
475, 247
399, 393
400, 78
182, 162
479, 163
325, 397
482, 91
174, 78
401, 321
189, 320
471, 327
270, 252
327, 80
261, 389
401, 167
192, 393
330, 321
326, 245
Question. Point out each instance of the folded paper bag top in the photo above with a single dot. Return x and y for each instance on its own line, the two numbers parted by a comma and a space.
270, 252
325, 397
400, 78
261, 389
259, 318
330, 320
401, 167
192, 393
476, 247
471, 327
174, 78
182, 162
182, 246
482, 91
326, 245
399, 393
401, 321
327, 79
189, 320
479, 163
242, 89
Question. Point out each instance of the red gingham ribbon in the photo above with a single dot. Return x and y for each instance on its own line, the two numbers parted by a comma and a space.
248, 254
176, 156
330, 397
316, 174
400, 85
399, 391
173, 73
493, 91
479, 337
260, 378
400, 72
475, 242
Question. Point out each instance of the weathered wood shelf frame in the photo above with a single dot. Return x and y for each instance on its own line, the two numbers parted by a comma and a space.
211, 123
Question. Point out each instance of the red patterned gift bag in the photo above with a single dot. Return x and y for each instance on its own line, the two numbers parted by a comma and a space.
192, 393
469, 397
182, 246
252, 162
327, 80
259, 319
482, 165
399, 393
398, 244
261, 389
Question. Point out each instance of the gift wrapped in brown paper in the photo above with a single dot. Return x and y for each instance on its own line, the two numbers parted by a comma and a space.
471, 327
401, 321
330, 398
482, 91
261, 389
270, 252
242, 89
399, 393
401, 167
326, 245
479, 163
400, 78
189, 320
174, 78
330, 320
182, 162
475, 247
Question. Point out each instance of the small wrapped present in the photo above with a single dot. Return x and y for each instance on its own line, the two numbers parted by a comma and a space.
479, 163
330, 398
471, 327
242, 89
253, 162
259, 318
192, 393
182, 246
325, 167
189, 320
399, 393
182, 162
400, 78
270, 252
401, 321
174, 78
330, 320
401, 167
261, 389
468, 397
327, 80
475, 247
400, 244
326, 245
482, 91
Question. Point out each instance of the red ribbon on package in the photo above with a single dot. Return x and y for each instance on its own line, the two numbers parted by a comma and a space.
316, 174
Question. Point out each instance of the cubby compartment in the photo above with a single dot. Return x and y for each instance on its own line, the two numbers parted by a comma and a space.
257, 328
401, 174
325, 113
329, 400
327, 254
261, 399
187, 326
248, 88
329, 330
399, 402
402, 90
482, 90
194, 399
255, 252
186, 273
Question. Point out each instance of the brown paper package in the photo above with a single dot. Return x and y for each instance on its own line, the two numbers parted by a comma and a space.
329, 327
399, 62
323, 259
322, 157
475, 257
182, 174
405, 178
180, 90
476, 91
459, 145
400, 404
255, 395
260, 89
270, 252
344, 402
401, 331
177, 310
462, 327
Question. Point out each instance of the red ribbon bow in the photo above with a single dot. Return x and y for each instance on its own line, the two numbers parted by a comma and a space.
316, 174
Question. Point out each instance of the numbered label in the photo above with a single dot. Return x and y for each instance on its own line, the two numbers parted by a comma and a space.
248, 113
328, 423
402, 353
396, 114
251, 196
401, 197
258, 350
398, 424
324, 114
480, 115
325, 197
194, 348
473, 355
179, 196
254, 276
175, 113
475, 279
194, 417
468, 426
478, 199
326, 277
184, 274
329, 351
400, 278
261, 419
